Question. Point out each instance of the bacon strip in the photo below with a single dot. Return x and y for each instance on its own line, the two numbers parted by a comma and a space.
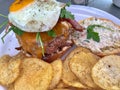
74, 24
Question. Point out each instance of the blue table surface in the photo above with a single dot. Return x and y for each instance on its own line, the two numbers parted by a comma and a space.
105, 5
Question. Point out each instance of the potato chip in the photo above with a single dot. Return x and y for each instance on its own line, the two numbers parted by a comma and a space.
61, 85
106, 72
57, 73
35, 75
62, 89
68, 77
20, 55
10, 87
9, 69
81, 65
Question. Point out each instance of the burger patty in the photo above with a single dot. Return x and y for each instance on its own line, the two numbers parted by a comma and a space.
57, 45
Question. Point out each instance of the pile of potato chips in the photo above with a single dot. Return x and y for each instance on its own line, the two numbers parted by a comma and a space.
74, 73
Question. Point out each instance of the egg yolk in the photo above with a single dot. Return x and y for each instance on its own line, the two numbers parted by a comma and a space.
19, 4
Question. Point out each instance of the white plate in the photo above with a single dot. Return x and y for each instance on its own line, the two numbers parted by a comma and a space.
80, 12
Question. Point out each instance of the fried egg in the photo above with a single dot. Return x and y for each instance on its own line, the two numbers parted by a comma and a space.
35, 15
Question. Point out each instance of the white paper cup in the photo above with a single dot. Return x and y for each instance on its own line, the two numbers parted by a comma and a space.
117, 3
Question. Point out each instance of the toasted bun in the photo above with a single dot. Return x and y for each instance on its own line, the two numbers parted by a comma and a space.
106, 72
109, 39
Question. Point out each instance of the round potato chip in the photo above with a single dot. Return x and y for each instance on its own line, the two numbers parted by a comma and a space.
35, 75
106, 72
62, 89
20, 55
10, 87
81, 65
61, 85
57, 73
68, 77
9, 69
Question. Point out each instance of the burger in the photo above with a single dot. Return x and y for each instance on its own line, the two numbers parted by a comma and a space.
42, 27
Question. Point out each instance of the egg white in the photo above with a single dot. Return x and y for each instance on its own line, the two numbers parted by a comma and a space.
38, 16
